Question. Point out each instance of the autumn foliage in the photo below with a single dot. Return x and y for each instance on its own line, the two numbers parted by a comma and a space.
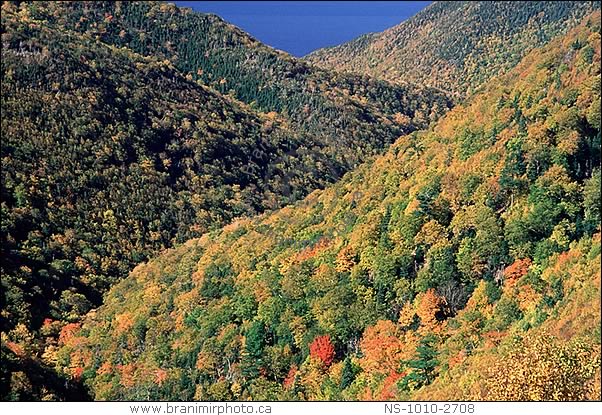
67, 332
518, 269
382, 348
531, 372
322, 349
402, 263
289, 380
430, 308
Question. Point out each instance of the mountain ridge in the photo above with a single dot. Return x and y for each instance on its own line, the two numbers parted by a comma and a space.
456, 46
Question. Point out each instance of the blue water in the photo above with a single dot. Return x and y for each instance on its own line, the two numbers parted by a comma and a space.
300, 27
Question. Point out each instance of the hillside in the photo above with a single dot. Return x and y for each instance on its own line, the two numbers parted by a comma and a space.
440, 270
355, 112
456, 45
110, 156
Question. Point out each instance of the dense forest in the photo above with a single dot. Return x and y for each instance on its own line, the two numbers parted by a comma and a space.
461, 44
440, 270
363, 113
113, 150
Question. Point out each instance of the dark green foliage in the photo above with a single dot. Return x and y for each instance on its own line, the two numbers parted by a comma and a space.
208, 48
217, 281
493, 292
506, 312
555, 295
422, 367
348, 373
252, 358
470, 143
592, 202
440, 269
511, 180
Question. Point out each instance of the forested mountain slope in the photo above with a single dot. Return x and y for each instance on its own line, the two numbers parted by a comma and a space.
456, 45
441, 270
109, 157
362, 114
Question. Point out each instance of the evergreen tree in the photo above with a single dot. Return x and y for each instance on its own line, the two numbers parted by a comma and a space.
347, 374
252, 356
423, 366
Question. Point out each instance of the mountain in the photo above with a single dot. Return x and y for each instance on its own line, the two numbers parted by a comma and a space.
101, 142
112, 151
456, 45
440, 270
349, 110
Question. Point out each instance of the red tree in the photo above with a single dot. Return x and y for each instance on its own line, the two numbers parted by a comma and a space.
518, 269
290, 378
322, 348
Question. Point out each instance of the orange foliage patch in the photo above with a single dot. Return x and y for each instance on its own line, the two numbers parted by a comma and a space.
305, 254
389, 389
457, 359
127, 375
345, 259
67, 332
15, 348
290, 377
517, 270
429, 306
160, 376
77, 373
566, 258
322, 349
493, 338
366, 395
205, 361
313, 250
382, 348
528, 298
104, 369
123, 322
